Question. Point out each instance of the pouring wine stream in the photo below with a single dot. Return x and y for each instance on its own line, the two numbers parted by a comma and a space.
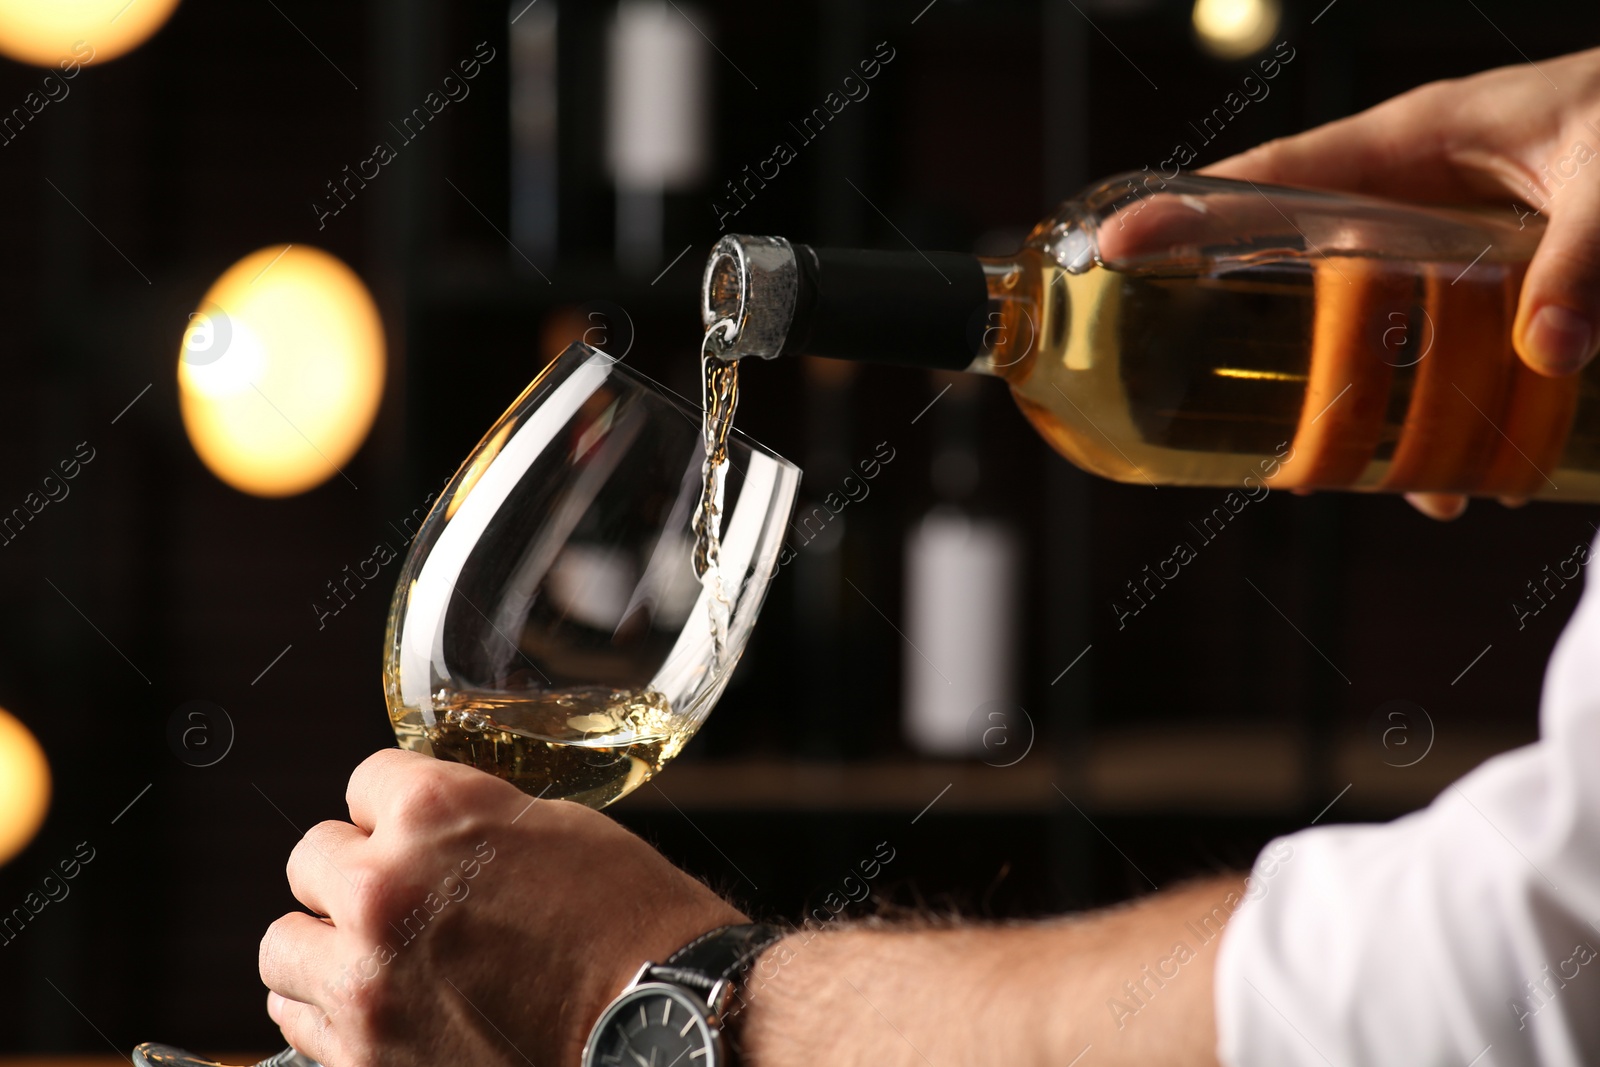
720, 396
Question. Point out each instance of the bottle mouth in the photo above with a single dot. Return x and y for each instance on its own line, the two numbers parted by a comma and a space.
747, 295
723, 291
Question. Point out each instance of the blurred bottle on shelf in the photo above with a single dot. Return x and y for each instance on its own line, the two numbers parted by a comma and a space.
534, 132
1197, 331
657, 109
961, 594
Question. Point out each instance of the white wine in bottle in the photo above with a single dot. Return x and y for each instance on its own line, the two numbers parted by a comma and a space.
1198, 331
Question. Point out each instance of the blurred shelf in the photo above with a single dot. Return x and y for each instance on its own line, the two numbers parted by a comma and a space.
902, 785
1171, 771
1261, 772
112, 1061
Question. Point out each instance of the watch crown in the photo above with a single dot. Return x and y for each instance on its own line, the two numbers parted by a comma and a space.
718, 1000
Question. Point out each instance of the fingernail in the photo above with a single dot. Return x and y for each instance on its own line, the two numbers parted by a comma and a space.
274, 1004
1441, 506
1559, 340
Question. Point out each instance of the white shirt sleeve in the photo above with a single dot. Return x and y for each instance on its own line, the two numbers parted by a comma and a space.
1462, 934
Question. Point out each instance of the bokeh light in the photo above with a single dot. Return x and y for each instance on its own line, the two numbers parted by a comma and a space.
1233, 29
24, 786
281, 371
51, 33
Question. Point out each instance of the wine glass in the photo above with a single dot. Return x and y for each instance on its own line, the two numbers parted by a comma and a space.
548, 625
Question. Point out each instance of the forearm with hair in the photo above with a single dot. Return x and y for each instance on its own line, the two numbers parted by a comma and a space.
1133, 982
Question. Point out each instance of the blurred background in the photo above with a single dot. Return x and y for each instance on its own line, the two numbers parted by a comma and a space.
504, 180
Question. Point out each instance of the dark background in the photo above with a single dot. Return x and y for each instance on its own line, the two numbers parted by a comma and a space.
1184, 741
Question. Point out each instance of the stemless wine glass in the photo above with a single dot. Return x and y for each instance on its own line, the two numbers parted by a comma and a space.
547, 625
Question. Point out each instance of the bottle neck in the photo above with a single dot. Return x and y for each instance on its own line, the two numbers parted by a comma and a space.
764, 296
1012, 319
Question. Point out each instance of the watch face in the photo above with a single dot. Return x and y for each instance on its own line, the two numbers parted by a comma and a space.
654, 1025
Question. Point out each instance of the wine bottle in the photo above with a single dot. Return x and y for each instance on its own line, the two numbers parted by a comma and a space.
1200, 331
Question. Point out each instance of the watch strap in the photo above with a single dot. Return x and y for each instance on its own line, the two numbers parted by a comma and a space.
716, 956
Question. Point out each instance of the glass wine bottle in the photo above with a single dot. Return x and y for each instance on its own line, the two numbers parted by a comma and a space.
1200, 331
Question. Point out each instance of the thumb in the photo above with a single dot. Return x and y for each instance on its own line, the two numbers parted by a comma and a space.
1555, 330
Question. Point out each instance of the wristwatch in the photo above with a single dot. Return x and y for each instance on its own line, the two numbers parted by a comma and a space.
672, 1013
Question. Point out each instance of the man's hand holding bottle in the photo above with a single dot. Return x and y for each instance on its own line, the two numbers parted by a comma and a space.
1525, 136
